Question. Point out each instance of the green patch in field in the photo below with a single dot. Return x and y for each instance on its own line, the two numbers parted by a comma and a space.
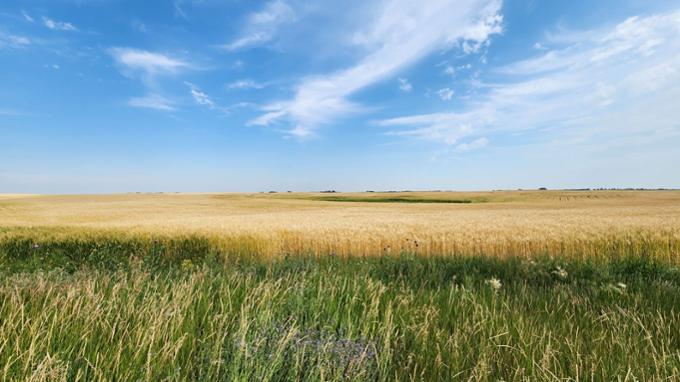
394, 199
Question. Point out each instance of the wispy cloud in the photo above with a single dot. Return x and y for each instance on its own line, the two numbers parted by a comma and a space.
27, 17
262, 26
404, 85
148, 67
13, 41
199, 96
147, 62
600, 83
446, 94
401, 33
152, 101
445, 127
246, 84
58, 25
179, 12
474, 145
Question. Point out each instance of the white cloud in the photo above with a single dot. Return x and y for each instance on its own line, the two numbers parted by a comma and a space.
152, 101
262, 26
599, 84
449, 70
445, 94
58, 25
27, 17
179, 12
267, 118
443, 127
246, 84
20, 40
12, 41
252, 39
148, 62
473, 145
401, 33
404, 85
148, 67
199, 96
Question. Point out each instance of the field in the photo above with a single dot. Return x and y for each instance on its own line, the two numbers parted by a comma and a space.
506, 285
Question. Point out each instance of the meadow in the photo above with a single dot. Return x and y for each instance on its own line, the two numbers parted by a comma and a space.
507, 285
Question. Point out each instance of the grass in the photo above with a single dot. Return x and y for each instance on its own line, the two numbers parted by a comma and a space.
526, 286
301, 318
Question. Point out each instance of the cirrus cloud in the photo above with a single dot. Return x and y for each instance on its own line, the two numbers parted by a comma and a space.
401, 33
590, 85
148, 67
262, 26
152, 101
55, 25
148, 62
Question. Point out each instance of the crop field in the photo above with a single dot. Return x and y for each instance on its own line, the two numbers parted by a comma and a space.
374, 286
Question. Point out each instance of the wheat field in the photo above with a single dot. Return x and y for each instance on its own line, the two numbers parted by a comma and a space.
522, 223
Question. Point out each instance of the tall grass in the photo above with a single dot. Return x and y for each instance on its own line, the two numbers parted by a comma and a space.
374, 319
52, 246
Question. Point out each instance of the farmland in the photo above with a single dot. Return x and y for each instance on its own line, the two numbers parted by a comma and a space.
576, 223
512, 285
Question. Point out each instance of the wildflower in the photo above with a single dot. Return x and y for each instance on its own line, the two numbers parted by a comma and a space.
494, 283
560, 273
621, 286
36, 246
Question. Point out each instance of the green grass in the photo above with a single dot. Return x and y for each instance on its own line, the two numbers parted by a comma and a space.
174, 309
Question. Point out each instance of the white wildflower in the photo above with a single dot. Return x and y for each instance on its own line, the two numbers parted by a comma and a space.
494, 283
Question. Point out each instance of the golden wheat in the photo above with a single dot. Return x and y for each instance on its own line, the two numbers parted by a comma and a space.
583, 223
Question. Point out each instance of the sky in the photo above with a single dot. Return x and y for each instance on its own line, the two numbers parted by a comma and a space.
104, 96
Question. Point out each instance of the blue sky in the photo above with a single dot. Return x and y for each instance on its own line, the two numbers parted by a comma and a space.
235, 95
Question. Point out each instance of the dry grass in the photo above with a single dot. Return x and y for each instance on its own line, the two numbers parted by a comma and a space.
583, 223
